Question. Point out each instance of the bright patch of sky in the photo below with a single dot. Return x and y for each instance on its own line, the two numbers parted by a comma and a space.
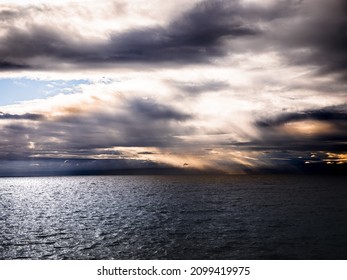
17, 90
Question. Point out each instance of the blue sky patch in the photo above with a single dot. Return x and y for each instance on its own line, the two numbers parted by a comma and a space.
16, 90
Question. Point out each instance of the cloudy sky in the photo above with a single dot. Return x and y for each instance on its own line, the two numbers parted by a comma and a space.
231, 86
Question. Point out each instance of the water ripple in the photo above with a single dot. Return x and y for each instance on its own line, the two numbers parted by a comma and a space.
164, 217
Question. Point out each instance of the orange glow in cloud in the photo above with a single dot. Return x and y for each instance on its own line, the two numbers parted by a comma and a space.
308, 128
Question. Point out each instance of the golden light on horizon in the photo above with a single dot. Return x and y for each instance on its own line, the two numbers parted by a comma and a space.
336, 158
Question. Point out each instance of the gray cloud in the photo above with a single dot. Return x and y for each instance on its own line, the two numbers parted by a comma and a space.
27, 116
274, 137
146, 153
197, 88
154, 111
281, 149
325, 114
319, 27
9, 14
20, 45
194, 37
12, 66
140, 123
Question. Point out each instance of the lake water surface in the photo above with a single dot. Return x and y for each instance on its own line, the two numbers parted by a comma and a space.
174, 217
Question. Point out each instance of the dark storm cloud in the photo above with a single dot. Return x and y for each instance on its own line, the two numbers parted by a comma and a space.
155, 111
27, 116
19, 45
319, 27
146, 153
327, 115
274, 133
12, 66
195, 36
312, 141
140, 123
13, 141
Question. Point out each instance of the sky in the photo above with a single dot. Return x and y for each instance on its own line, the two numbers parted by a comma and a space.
237, 86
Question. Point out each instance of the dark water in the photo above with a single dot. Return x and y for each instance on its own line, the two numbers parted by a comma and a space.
168, 217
